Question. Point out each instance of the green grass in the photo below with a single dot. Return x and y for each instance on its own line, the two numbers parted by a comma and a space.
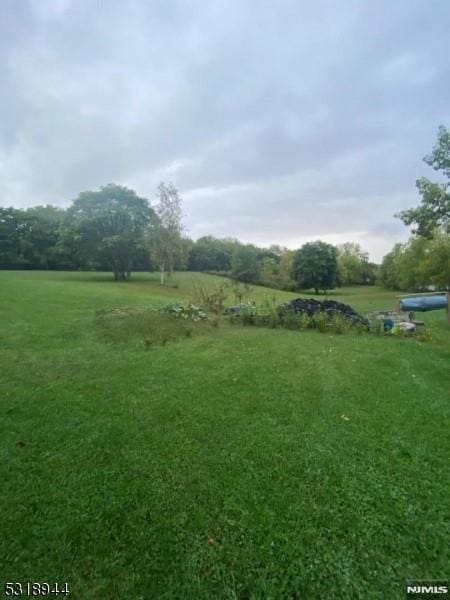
237, 463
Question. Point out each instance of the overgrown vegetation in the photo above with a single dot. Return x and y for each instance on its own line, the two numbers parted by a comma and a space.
150, 326
300, 315
212, 299
187, 312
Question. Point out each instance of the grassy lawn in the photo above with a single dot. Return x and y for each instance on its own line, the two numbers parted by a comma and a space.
239, 463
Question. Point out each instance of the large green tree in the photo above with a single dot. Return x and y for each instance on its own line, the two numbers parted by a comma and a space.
352, 260
434, 209
407, 264
315, 266
106, 227
434, 268
419, 263
388, 271
276, 272
211, 254
245, 265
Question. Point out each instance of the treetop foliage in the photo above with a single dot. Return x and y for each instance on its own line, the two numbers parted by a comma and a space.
107, 226
315, 266
419, 263
434, 209
425, 259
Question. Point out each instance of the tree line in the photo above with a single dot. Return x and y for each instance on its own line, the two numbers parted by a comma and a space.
115, 229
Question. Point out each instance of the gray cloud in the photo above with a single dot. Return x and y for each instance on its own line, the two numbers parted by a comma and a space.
278, 122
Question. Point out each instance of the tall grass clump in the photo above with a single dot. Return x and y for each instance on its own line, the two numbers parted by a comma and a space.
149, 326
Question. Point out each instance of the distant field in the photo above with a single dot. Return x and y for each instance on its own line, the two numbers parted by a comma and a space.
241, 463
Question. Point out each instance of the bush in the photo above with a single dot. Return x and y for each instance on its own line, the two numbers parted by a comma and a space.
290, 321
340, 325
212, 299
320, 322
248, 314
304, 322
188, 312
241, 292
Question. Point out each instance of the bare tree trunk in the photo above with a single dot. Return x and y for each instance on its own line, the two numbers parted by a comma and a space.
162, 273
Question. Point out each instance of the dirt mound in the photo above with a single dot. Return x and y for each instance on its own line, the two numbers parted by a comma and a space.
331, 308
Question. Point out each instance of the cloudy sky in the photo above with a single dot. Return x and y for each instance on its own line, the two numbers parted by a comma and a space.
279, 121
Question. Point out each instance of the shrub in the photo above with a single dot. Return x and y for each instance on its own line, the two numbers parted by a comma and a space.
320, 321
248, 314
241, 292
304, 322
212, 299
186, 312
340, 325
291, 321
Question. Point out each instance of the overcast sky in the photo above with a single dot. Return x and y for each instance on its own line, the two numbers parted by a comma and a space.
278, 121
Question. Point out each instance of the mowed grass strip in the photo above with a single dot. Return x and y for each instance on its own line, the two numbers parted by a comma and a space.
239, 463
